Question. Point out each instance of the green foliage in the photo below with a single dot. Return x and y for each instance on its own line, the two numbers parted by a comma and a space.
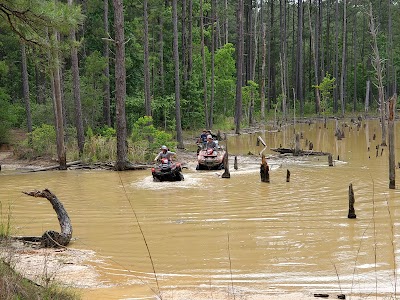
99, 148
5, 222
164, 111
107, 132
30, 19
42, 113
149, 138
326, 87
40, 142
13, 286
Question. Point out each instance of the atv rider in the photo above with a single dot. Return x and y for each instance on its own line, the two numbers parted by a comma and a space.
165, 153
211, 144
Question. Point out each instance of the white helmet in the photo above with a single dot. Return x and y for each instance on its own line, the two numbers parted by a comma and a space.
163, 147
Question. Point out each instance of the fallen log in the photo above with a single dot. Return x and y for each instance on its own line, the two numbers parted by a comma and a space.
79, 165
301, 152
50, 238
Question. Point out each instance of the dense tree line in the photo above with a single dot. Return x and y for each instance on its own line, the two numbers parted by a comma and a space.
192, 63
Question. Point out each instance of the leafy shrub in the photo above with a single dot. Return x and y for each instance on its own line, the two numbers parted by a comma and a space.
40, 142
148, 138
98, 147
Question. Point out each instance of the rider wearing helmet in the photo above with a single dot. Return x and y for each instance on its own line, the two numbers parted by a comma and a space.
210, 143
165, 153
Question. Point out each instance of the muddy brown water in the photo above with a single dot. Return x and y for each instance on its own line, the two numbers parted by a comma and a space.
209, 236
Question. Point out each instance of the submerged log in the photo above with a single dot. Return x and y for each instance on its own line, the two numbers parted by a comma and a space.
264, 170
50, 238
301, 152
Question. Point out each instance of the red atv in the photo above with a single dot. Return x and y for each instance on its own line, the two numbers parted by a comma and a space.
210, 159
167, 171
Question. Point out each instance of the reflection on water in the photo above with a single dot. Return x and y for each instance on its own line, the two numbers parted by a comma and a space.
209, 235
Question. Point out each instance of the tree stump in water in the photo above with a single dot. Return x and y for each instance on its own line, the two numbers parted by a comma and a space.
264, 170
330, 160
352, 213
226, 173
235, 165
297, 145
287, 176
53, 239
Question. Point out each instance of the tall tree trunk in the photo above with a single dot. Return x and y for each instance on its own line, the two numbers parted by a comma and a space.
161, 53
299, 55
239, 65
355, 60
314, 49
336, 65
262, 85
40, 81
179, 136
25, 88
343, 72
377, 63
190, 39
203, 59
391, 71
120, 86
226, 22
58, 106
213, 46
147, 95
76, 90
184, 43
106, 71
392, 149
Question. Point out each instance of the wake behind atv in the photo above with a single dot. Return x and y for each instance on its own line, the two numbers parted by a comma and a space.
167, 171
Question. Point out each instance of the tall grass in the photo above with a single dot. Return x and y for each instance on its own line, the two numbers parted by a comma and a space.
5, 225
14, 286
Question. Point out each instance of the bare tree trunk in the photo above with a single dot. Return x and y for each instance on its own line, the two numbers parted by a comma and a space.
120, 86
58, 106
147, 94
226, 22
190, 39
184, 43
203, 59
76, 90
25, 88
336, 65
377, 63
314, 54
106, 84
367, 92
239, 66
213, 47
299, 69
262, 79
392, 148
179, 136
343, 72
161, 54
355, 60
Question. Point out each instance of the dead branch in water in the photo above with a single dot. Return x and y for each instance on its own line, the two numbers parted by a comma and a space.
50, 238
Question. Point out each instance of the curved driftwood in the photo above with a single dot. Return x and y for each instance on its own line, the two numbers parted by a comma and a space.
53, 239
